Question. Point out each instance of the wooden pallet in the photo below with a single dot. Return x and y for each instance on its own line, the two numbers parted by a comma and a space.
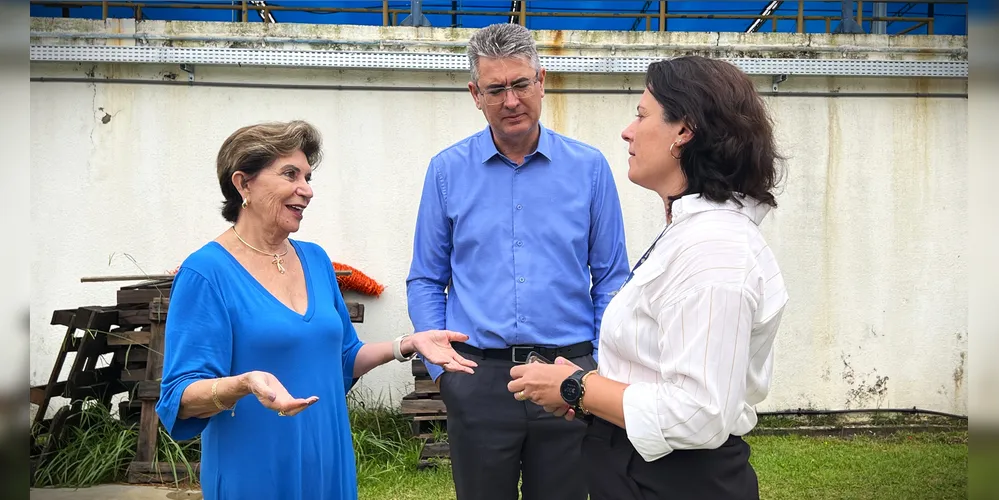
84, 338
428, 416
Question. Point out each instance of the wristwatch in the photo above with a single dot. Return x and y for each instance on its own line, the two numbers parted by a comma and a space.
572, 389
397, 350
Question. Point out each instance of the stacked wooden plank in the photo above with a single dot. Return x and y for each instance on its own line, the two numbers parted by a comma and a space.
428, 414
88, 376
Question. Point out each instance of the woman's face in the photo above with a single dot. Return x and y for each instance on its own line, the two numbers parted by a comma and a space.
279, 194
649, 137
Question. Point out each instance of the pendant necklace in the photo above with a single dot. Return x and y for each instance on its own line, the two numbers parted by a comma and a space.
278, 261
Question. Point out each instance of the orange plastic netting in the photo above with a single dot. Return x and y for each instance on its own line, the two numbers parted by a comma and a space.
357, 281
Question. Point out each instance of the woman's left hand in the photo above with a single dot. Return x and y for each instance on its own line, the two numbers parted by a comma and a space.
541, 384
435, 346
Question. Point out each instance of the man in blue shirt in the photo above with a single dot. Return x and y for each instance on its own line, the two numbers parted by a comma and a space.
519, 244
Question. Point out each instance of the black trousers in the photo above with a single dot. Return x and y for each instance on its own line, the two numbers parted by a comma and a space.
493, 438
615, 471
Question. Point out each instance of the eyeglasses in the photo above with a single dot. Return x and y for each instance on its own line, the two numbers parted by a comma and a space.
497, 95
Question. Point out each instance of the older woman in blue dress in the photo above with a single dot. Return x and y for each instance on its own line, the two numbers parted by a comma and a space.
255, 313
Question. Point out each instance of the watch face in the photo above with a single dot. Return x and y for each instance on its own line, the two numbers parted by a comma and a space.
570, 391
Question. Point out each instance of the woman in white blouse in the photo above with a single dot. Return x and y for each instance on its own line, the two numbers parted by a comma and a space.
686, 345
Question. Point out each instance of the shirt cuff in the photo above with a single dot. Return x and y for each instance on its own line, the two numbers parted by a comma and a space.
433, 370
641, 421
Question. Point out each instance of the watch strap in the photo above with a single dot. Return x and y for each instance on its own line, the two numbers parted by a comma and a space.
397, 350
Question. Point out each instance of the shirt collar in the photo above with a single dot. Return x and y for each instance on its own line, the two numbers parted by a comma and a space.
695, 203
488, 147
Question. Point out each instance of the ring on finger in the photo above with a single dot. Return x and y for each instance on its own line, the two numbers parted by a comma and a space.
281, 413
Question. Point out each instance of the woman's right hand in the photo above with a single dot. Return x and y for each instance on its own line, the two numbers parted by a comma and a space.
269, 391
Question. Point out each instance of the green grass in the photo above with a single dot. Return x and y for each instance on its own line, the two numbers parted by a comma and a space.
430, 484
902, 466
909, 466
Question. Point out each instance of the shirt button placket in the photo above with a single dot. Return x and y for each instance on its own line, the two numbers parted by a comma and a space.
517, 244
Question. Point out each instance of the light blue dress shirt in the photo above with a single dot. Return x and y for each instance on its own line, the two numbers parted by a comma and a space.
514, 255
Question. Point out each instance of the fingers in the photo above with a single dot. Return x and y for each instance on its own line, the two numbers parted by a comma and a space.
465, 361
459, 363
294, 406
455, 336
519, 371
570, 415
516, 385
562, 361
260, 389
455, 365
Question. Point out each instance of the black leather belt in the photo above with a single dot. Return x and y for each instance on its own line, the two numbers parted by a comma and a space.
518, 353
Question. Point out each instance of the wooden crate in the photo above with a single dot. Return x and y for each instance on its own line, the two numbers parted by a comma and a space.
428, 416
85, 340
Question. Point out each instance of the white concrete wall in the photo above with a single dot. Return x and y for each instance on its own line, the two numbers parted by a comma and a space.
870, 230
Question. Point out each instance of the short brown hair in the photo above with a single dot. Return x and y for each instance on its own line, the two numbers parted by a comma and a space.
733, 150
254, 147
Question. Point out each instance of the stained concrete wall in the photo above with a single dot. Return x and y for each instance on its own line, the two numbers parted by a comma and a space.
869, 232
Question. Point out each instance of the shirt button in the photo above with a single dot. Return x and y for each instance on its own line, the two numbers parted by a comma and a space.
522, 319
519, 207
520, 243
521, 279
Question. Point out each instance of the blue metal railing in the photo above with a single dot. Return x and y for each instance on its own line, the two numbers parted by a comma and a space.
894, 17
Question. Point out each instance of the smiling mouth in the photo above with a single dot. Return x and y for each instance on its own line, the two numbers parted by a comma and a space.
297, 209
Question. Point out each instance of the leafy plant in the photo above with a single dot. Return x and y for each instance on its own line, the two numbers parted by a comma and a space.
382, 440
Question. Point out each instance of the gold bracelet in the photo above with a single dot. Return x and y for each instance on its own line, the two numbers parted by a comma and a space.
582, 383
218, 403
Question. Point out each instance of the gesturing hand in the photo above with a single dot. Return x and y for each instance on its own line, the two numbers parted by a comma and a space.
269, 391
435, 346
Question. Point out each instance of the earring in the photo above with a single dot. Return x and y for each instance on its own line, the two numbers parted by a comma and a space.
671, 146
246, 202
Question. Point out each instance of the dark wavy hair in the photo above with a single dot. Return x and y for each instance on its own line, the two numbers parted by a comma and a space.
733, 149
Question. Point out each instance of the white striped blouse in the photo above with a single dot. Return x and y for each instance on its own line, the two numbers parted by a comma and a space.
692, 332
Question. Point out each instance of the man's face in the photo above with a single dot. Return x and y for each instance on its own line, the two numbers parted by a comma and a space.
513, 113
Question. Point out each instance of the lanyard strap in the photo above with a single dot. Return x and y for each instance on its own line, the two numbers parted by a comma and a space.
646, 255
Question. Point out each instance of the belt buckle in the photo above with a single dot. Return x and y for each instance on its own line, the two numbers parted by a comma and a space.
513, 354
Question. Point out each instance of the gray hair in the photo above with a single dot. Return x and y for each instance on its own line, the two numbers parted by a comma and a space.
501, 41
